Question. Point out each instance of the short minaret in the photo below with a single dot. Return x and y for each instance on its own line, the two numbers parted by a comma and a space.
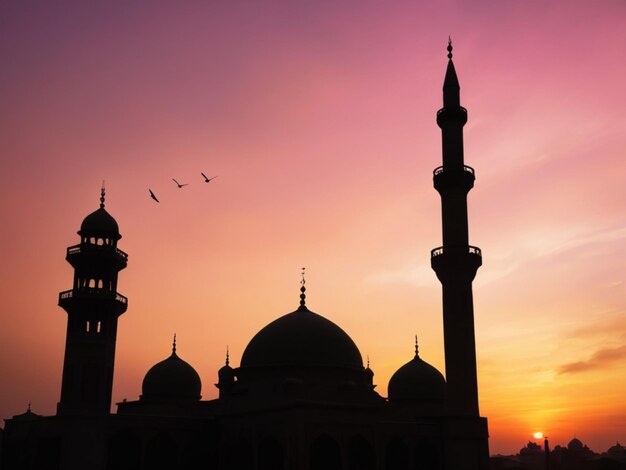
93, 306
456, 261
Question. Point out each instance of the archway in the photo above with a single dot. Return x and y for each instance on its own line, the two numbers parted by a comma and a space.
325, 454
396, 455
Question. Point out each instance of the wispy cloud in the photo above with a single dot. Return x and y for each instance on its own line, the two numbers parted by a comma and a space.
600, 359
614, 328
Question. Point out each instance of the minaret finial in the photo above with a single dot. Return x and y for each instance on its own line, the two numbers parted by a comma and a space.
449, 48
368, 361
28, 410
302, 291
416, 347
174, 344
102, 196
227, 356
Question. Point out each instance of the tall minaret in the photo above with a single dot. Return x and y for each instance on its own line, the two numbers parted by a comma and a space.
456, 261
93, 307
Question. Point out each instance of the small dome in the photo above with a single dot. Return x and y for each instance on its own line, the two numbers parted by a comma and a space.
417, 381
575, 444
226, 374
99, 222
171, 379
27, 416
302, 338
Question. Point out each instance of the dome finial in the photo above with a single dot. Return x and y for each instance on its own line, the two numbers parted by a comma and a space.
227, 356
449, 48
368, 361
302, 291
28, 410
416, 348
102, 196
174, 344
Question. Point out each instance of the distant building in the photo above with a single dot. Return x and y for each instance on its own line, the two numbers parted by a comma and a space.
574, 456
301, 397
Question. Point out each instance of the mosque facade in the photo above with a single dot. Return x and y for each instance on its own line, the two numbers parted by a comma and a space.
301, 397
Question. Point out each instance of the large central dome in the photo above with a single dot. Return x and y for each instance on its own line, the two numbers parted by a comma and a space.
302, 338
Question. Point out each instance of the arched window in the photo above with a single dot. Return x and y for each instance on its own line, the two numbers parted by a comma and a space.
396, 455
426, 456
361, 455
99, 242
92, 283
201, 452
271, 455
325, 454
161, 453
124, 451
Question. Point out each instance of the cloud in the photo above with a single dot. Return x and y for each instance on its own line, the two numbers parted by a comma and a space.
613, 328
599, 360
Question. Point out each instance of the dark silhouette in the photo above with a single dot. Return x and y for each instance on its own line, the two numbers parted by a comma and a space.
300, 398
91, 334
207, 179
180, 185
153, 196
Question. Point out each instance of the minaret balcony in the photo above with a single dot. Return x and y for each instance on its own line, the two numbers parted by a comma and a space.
461, 177
76, 299
77, 253
455, 261
457, 114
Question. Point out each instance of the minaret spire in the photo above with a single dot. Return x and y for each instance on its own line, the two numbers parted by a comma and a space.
451, 88
102, 196
456, 261
174, 345
302, 292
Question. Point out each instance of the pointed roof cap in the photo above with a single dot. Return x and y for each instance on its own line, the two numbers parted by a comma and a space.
100, 222
451, 80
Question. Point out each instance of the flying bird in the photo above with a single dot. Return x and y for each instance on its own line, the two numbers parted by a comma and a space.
152, 195
206, 179
180, 185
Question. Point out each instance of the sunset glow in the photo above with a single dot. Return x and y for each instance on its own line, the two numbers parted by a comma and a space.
319, 120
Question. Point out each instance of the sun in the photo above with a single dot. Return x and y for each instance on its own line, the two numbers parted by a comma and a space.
538, 435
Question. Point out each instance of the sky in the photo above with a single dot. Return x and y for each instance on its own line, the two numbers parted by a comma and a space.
318, 119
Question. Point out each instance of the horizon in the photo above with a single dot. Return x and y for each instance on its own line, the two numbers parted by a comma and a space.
319, 122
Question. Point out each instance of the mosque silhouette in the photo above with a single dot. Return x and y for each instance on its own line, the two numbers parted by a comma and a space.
301, 398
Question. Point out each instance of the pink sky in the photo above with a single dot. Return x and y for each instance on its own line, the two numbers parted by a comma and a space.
319, 119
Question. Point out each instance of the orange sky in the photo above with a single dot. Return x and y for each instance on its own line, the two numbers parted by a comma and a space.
320, 121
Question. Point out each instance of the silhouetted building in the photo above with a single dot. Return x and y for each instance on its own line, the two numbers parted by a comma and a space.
574, 456
301, 398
